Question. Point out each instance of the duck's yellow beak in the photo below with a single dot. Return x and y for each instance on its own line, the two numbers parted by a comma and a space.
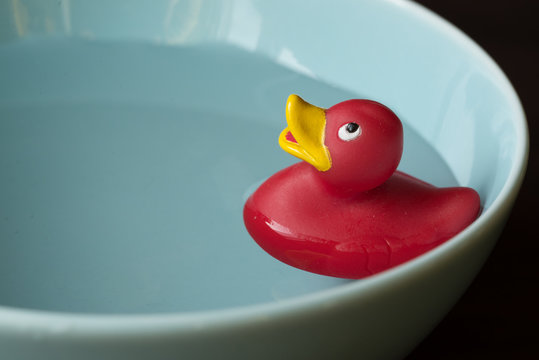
304, 136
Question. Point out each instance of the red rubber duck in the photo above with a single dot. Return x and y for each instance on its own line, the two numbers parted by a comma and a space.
345, 211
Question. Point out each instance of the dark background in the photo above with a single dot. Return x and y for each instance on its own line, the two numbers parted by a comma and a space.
498, 317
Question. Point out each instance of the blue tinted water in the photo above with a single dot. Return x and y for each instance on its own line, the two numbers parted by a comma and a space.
123, 171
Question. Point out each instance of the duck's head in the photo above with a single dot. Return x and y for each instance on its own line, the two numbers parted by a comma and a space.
355, 145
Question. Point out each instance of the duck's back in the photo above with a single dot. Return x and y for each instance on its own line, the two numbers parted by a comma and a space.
296, 218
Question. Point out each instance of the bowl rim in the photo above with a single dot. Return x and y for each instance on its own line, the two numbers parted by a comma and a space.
128, 325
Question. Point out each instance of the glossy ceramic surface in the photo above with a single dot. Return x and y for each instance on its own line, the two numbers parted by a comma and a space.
128, 145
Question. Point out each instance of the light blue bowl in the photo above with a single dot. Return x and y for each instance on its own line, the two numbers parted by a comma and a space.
130, 136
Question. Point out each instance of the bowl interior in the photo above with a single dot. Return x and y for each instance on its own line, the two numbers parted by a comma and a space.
127, 150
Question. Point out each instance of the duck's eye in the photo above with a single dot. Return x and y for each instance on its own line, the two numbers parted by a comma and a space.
349, 131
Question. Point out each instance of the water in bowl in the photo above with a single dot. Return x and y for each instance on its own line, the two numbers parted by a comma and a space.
124, 168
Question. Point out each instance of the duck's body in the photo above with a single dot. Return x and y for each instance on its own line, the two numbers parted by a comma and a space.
352, 237
346, 211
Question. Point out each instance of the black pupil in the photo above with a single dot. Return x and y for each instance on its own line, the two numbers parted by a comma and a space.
352, 127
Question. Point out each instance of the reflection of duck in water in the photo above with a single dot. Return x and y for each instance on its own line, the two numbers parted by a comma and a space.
346, 211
